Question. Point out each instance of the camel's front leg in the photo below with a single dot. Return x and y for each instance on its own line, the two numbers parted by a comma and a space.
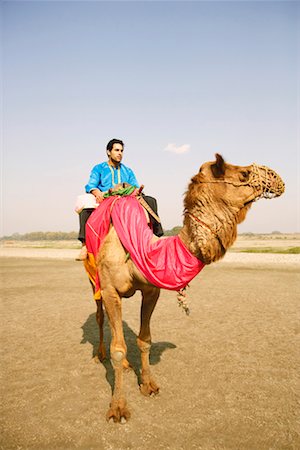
150, 297
118, 410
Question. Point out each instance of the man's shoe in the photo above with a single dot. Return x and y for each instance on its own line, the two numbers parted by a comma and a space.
83, 254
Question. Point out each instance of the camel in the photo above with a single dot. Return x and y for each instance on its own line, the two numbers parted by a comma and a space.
217, 200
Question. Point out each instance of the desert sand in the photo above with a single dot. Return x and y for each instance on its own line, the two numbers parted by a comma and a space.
228, 373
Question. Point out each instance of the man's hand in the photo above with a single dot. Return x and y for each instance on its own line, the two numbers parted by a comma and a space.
98, 194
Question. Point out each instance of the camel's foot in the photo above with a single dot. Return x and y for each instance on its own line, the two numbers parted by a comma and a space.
149, 388
118, 411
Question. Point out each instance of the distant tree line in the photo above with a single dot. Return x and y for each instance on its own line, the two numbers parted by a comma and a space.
42, 236
61, 235
173, 232
70, 236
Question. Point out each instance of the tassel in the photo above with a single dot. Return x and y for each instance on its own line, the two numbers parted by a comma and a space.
182, 300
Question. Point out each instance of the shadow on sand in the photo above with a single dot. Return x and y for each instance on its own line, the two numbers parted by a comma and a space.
91, 334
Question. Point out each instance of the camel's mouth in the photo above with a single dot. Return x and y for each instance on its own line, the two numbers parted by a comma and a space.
266, 183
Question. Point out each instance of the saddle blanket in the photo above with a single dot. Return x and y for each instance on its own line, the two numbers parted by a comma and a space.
165, 262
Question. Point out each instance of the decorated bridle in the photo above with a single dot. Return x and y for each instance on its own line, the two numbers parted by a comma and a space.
261, 178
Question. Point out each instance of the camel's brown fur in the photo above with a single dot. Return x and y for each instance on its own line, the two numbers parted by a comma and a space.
217, 199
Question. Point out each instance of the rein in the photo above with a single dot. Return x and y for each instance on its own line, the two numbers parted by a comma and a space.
147, 208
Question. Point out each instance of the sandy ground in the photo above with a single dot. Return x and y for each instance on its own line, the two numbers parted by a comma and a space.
228, 373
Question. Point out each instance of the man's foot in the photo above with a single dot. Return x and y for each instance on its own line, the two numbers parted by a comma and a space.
83, 254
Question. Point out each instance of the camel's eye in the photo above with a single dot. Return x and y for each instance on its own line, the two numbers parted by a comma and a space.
244, 175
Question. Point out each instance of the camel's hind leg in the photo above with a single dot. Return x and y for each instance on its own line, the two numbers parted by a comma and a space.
150, 297
118, 410
100, 320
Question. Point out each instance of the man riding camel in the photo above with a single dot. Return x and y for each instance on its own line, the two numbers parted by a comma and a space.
105, 176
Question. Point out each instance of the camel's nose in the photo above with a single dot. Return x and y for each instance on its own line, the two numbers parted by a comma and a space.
277, 185
267, 182
273, 185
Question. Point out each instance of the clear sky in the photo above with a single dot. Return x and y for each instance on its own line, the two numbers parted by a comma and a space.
177, 81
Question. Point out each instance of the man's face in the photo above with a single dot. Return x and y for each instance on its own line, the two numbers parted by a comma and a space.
116, 153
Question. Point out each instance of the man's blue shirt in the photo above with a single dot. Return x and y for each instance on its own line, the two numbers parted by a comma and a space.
103, 177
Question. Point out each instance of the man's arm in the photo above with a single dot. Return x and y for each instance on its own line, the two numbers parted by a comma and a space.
94, 179
94, 182
132, 178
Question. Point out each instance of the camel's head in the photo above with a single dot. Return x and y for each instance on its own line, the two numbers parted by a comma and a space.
240, 184
218, 198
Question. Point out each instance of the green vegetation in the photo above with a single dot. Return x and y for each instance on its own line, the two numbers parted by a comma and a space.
285, 251
173, 232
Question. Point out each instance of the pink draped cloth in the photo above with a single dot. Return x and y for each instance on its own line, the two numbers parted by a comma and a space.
166, 262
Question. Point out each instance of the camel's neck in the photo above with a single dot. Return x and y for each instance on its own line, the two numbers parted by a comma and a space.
209, 230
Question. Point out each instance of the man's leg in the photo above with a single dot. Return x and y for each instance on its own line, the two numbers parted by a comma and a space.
156, 226
83, 218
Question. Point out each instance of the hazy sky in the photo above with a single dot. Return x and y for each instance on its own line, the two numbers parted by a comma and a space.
177, 81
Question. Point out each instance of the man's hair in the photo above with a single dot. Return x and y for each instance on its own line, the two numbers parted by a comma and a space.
112, 142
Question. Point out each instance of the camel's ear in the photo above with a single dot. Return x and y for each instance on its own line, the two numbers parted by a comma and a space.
218, 168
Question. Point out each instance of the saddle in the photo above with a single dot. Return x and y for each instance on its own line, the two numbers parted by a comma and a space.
127, 189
